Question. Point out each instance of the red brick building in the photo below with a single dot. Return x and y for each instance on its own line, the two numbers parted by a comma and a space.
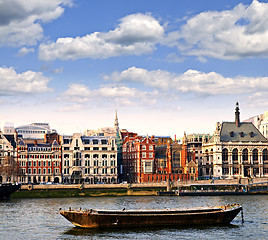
144, 162
40, 162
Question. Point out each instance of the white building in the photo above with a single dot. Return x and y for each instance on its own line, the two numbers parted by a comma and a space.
89, 159
9, 169
236, 150
34, 131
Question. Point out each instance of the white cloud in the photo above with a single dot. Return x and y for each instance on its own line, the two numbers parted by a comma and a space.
191, 81
136, 34
20, 21
13, 83
57, 70
231, 34
24, 51
107, 95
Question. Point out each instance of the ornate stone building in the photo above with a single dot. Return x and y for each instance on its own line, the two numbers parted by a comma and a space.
89, 159
236, 150
9, 167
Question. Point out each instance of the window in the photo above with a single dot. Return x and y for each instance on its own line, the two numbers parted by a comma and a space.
143, 155
44, 171
95, 141
255, 156
104, 141
104, 163
235, 155
151, 147
236, 170
225, 170
95, 149
265, 156
143, 147
244, 155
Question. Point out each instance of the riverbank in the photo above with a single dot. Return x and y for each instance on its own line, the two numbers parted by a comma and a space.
134, 189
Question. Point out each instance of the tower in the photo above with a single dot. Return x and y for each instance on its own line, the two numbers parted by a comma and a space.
116, 124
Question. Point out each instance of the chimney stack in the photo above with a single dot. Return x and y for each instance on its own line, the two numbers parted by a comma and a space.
237, 115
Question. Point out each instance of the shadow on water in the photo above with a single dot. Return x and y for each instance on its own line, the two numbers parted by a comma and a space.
76, 231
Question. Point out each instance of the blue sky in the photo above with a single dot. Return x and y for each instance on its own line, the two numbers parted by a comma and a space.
166, 66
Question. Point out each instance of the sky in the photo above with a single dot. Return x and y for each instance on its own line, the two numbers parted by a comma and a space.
167, 66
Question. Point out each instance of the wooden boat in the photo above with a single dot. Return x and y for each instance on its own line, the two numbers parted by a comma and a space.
7, 188
143, 218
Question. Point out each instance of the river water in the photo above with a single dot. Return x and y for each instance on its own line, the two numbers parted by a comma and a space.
40, 218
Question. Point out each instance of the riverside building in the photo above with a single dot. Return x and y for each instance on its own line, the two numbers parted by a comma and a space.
9, 168
39, 162
143, 161
194, 143
236, 150
89, 159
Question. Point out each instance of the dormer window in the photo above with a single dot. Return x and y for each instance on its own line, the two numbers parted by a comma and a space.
231, 134
242, 134
251, 134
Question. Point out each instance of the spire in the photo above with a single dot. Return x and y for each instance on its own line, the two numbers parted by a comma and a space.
116, 124
237, 115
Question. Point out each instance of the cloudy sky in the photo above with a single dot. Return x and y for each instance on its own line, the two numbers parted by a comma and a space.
167, 66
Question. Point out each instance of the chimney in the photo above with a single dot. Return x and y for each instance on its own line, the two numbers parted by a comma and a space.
237, 115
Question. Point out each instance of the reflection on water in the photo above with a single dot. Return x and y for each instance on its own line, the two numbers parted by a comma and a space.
40, 218
75, 231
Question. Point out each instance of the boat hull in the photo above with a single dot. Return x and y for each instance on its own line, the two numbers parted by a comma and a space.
104, 219
6, 189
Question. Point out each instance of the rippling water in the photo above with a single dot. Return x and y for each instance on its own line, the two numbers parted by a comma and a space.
40, 218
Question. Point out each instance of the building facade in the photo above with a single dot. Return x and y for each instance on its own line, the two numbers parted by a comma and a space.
145, 162
89, 159
138, 159
39, 162
9, 167
194, 143
236, 150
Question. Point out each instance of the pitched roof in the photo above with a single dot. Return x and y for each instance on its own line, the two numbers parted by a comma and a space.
245, 132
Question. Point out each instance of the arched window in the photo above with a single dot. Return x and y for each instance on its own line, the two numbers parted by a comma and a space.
245, 156
265, 156
225, 155
235, 155
255, 156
